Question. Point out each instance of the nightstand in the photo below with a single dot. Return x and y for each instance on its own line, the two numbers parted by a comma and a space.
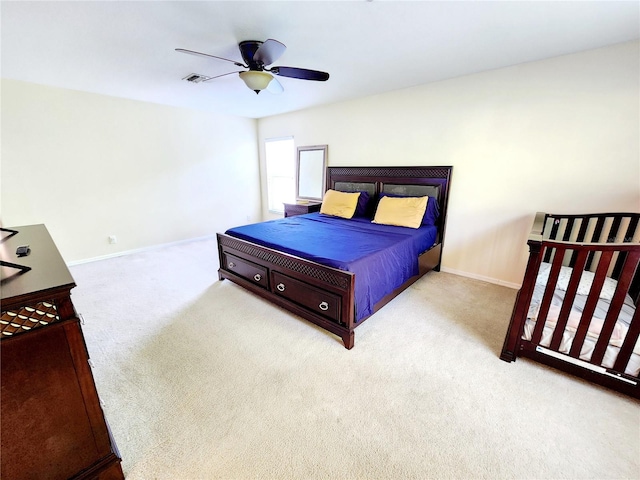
291, 209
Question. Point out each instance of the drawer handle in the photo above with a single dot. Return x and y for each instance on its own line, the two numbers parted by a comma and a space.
324, 306
231, 264
257, 277
280, 287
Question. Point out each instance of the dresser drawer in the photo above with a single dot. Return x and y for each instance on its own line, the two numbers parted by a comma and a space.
249, 270
312, 298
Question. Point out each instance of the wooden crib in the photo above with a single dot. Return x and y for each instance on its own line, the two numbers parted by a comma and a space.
576, 309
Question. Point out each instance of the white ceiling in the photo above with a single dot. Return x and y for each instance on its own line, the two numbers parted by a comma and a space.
126, 49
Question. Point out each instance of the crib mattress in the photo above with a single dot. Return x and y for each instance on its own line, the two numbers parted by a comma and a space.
611, 353
597, 321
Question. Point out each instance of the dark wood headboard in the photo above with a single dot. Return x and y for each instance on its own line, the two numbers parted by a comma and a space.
432, 181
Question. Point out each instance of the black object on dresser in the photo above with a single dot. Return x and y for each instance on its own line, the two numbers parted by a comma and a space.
52, 423
291, 209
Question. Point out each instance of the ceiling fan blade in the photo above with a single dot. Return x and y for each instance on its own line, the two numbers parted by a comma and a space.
269, 52
275, 86
301, 73
223, 75
191, 52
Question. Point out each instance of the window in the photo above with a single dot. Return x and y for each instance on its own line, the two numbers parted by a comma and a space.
281, 171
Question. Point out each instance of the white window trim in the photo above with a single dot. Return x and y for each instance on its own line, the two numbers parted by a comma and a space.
268, 179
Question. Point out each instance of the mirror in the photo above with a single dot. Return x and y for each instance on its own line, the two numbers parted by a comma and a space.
311, 167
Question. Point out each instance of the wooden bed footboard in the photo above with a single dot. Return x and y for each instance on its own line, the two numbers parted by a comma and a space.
590, 261
323, 295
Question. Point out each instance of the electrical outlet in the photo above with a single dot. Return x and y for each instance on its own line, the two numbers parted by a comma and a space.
113, 239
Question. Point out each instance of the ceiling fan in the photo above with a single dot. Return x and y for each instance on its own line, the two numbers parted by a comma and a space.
257, 57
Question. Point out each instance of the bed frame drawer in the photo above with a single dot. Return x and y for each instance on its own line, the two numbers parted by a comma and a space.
249, 270
312, 298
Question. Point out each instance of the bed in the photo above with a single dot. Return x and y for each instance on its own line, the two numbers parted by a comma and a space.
340, 285
577, 308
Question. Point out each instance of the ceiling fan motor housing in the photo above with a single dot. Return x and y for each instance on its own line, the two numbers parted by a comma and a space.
248, 49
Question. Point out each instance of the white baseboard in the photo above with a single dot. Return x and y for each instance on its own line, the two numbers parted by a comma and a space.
138, 250
208, 237
481, 277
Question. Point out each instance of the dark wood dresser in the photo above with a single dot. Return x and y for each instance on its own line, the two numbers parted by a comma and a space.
52, 423
291, 209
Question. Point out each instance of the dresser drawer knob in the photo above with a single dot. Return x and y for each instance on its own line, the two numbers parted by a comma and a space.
257, 277
324, 306
280, 287
231, 264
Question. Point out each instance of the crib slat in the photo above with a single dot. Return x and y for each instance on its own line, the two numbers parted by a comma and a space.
554, 229
613, 230
582, 233
628, 236
552, 236
615, 307
548, 295
590, 305
629, 343
617, 268
568, 229
631, 229
597, 232
567, 303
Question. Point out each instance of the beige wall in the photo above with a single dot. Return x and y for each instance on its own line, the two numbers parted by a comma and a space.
557, 135
89, 166
560, 135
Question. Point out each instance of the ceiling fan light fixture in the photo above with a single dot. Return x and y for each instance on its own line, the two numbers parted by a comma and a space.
256, 80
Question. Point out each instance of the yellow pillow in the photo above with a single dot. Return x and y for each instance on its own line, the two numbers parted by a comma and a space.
401, 211
339, 204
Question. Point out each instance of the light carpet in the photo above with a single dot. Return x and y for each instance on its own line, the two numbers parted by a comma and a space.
200, 379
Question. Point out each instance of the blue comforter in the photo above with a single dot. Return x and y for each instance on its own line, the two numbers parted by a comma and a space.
382, 257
